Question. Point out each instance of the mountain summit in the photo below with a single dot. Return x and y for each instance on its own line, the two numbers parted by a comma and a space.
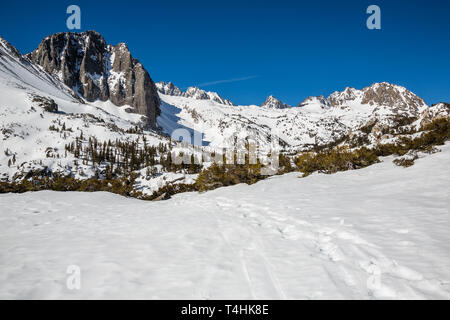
381, 94
192, 92
273, 103
49, 130
98, 71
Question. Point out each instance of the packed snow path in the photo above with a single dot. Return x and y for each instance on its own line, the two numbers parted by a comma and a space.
379, 232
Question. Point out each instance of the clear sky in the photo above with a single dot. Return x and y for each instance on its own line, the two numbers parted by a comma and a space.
290, 49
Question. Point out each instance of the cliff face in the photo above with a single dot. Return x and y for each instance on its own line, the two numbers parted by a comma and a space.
98, 71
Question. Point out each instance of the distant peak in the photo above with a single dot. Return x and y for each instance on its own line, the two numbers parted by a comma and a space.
315, 100
191, 92
273, 103
388, 94
377, 94
168, 89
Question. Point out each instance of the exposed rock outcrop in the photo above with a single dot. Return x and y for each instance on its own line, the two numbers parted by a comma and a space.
386, 94
169, 89
191, 92
98, 71
273, 103
436, 111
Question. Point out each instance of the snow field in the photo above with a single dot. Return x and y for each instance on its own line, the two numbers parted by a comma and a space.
376, 233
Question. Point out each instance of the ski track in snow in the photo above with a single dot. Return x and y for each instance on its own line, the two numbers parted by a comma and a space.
375, 233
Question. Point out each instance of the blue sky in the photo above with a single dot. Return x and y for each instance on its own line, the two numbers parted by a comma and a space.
247, 50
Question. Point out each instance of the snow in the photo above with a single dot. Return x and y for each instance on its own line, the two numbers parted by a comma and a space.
24, 126
375, 233
380, 232
191, 92
315, 122
150, 185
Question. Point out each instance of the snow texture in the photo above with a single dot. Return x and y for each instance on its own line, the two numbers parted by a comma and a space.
376, 233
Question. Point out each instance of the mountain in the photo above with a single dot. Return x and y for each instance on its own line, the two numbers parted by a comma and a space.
381, 94
380, 106
49, 125
41, 117
18, 72
98, 71
273, 103
169, 89
319, 102
191, 92
373, 114
199, 94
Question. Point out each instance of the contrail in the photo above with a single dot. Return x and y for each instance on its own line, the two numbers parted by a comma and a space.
205, 84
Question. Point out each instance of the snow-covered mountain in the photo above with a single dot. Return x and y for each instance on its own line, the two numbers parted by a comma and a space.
18, 72
65, 112
98, 71
191, 92
40, 115
169, 89
378, 94
383, 108
71, 89
273, 103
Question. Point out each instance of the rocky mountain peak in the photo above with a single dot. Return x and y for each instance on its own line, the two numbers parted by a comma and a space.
191, 92
273, 103
98, 71
196, 93
169, 89
382, 95
339, 98
387, 94
315, 100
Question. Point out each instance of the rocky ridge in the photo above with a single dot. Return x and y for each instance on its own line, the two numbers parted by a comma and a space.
273, 103
191, 92
98, 71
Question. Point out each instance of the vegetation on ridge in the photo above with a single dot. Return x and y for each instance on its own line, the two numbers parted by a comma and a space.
124, 159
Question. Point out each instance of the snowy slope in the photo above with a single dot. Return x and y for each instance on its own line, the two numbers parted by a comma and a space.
24, 125
317, 121
381, 233
18, 72
33, 141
